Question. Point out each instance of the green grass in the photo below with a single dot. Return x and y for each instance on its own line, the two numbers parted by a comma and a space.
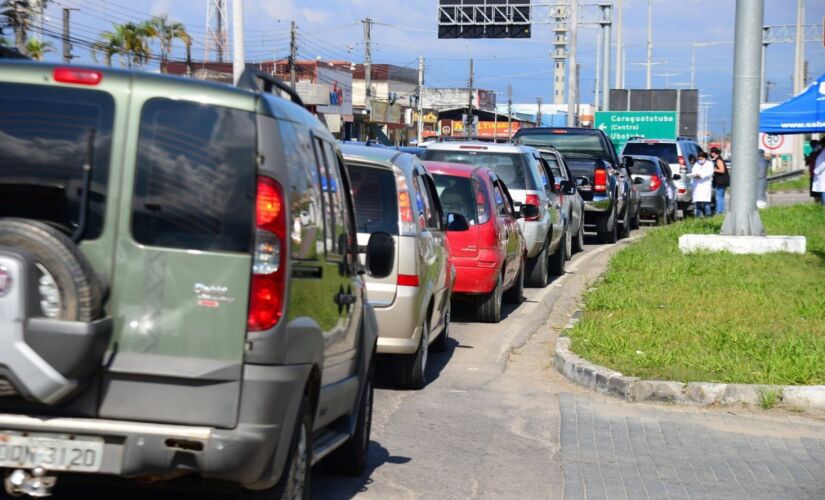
768, 398
801, 183
658, 314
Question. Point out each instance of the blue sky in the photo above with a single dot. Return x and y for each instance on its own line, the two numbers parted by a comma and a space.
406, 29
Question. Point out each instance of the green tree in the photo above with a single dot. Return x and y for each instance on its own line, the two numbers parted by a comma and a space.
130, 41
20, 14
36, 49
166, 32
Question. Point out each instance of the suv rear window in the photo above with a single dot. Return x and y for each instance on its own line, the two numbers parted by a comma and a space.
195, 177
664, 150
376, 201
456, 195
584, 143
643, 167
47, 134
509, 167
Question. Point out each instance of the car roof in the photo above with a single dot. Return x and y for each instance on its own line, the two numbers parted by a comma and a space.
490, 147
654, 159
378, 157
577, 130
454, 169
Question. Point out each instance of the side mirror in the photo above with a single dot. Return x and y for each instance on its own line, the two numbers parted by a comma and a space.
638, 180
582, 181
627, 161
676, 177
529, 211
456, 222
380, 254
568, 187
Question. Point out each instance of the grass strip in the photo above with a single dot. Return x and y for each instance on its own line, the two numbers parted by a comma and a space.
658, 314
801, 183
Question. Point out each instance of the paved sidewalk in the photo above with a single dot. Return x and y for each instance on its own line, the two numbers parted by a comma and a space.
610, 450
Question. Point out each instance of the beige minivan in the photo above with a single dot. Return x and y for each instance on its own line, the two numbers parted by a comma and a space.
394, 194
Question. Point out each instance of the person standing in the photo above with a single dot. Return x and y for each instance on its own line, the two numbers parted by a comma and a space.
810, 161
702, 179
818, 177
721, 179
762, 179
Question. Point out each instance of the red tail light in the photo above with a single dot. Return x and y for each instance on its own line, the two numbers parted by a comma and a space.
682, 161
77, 75
557, 187
655, 182
482, 204
266, 292
407, 280
600, 180
533, 199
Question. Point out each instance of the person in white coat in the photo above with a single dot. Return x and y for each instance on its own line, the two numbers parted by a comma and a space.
701, 175
819, 176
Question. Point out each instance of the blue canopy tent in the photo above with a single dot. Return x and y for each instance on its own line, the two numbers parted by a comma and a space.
802, 114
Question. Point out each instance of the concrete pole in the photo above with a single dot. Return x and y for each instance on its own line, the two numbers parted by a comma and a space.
238, 58
509, 111
538, 111
468, 127
799, 77
743, 218
368, 68
693, 65
293, 53
420, 125
572, 94
619, 83
606, 60
67, 44
763, 79
649, 75
598, 87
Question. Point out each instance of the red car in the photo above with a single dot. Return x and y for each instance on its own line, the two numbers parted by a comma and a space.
489, 256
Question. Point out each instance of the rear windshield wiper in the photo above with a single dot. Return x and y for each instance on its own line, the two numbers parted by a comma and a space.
77, 235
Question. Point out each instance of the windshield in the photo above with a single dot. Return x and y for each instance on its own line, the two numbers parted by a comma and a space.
376, 202
456, 195
508, 166
566, 143
47, 135
665, 151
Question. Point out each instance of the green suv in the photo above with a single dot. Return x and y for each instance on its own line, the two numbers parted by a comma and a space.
180, 287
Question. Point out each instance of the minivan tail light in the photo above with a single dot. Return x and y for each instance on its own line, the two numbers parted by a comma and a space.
406, 215
655, 182
533, 199
482, 204
267, 288
78, 76
600, 180
682, 161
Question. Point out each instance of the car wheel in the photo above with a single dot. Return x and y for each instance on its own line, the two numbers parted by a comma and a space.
515, 295
489, 308
568, 244
413, 367
624, 230
537, 269
637, 219
294, 482
351, 458
661, 219
611, 235
442, 342
578, 243
558, 258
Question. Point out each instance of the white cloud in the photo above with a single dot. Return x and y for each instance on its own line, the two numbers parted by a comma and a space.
280, 10
159, 7
315, 16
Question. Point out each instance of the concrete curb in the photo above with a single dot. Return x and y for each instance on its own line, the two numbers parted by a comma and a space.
606, 381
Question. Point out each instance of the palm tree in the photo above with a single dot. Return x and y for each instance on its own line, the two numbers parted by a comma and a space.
130, 41
166, 32
20, 15
110, 43
36, 49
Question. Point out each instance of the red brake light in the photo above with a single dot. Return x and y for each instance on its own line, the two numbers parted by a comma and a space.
533, 199
600, 180
682, 161
655, 182
482, 205
78, 76
559, 131
407, 280
472, 147
266, 291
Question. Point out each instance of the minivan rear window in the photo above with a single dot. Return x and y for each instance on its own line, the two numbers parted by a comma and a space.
376, 199
47, 135
509, 167
456, 196
643, 167
195, 177
664, 150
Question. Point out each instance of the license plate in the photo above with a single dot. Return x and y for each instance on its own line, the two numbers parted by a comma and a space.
56, 453
584, 188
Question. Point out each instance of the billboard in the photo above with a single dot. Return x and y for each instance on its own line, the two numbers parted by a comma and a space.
484, 19
622, 125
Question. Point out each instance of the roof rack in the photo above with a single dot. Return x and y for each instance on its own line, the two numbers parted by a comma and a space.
251, 77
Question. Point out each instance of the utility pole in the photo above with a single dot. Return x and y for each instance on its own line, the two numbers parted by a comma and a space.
743, 218
238, 57
420, 103
367, 67
509, 111
763, 89
798, 85
577, 110
649, 75
293, 53
67, 44
597, 87
538, 112
469, 124
619, 47
573, 93
606, 23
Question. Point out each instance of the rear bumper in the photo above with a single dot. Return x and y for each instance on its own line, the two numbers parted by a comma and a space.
399, 324
252, 454
475, 280
653, 204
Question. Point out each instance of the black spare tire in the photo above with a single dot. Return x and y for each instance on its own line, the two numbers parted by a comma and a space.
78, 288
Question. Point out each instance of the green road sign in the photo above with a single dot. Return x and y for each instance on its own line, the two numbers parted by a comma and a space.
622, 125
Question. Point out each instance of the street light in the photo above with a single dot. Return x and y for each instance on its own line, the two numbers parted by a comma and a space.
693, 60
667, 77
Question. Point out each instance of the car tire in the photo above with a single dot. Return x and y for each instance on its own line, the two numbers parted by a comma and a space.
515, 295
537, 270
624, 226
637, 219
559, 257
662, 219
442, 342
79, 289
568, 244
412, 368
489, 307
578, 243
294, 482
351, 458
611, 235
